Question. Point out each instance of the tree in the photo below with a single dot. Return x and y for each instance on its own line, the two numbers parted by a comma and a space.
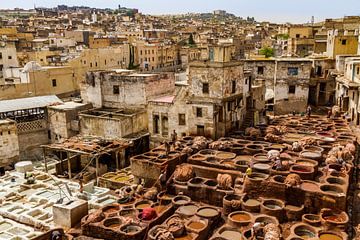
267, 51
191, 40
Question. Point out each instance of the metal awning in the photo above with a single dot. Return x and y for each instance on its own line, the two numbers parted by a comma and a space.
28, 103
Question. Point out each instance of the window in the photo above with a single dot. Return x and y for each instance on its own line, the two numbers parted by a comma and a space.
233, 86
357, 70
293, 71
200, 130
199, 112
140, 52
260, 70
343, 42
182, 120
156, 120
297, 35
90, 64
54, 83
0, 55
105, 62
116, 89
205, 88
9, 57
292, 89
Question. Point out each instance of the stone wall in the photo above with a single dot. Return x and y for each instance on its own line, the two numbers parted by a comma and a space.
9, 143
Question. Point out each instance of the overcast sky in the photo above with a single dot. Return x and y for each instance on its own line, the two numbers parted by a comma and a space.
299, 11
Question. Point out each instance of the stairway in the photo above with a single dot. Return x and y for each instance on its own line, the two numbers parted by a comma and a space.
249, 119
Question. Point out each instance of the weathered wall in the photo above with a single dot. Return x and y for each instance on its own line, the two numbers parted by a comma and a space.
115, 127
9, 143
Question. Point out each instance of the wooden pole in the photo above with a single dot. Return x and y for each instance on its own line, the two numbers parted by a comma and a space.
69, 164
45, 160
117, 159
97, 167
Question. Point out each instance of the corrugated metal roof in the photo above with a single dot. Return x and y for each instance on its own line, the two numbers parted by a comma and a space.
28, 103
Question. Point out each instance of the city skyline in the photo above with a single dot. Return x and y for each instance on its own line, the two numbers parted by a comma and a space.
279, 11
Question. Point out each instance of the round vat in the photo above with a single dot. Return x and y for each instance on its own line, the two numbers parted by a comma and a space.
181, 200
331, 189
312, 219
336, 180
131, 228
207, 212
141, 205
240, 218
309, 186
112, 222
187, 210
330, 236
305, 231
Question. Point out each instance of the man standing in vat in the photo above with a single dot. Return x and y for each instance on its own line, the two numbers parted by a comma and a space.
173, 138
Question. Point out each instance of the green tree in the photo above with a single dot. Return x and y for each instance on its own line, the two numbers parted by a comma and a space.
267, 51
191, 40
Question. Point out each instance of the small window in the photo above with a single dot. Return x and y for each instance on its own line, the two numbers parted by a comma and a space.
292, 89
182, 120
199, 112
357, 70
54, 83
0, 55
205, 88
90, 64
200, 130
9, 57
293, 71
297, 35
233, 86
260, 70
343, 42
116, 89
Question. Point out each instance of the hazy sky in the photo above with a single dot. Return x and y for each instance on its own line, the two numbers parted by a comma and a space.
270, 10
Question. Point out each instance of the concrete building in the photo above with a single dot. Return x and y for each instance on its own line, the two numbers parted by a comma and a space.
211, 103
322, 83
341, 42
63, 120
9, 143
286, 80
113, 123
155, 55
124, 88
347, 89
40, 81
30, 116
8, 59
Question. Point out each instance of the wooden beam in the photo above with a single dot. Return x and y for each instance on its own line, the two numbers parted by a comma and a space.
97, 167
45, 161
117, 159
69, 164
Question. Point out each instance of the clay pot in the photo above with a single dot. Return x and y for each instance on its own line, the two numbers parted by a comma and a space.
333, 218
140, 205
294, 213
164, 198
250, 205
187, 210
330, 235
311, 154
207, 212
180, 200
311, 219
273, 207
305, 172
254, 148
304, 231
112, 223
228, 203
335, 180
331, 189
240, 219
266, 219
196, 225
228, 233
